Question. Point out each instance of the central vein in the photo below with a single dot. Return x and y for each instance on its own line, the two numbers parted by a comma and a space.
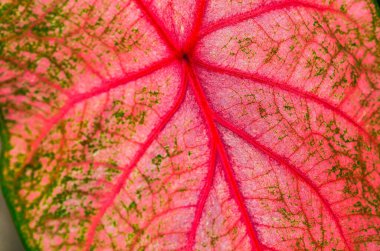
229, 173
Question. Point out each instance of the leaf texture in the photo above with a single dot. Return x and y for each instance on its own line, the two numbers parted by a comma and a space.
191, 125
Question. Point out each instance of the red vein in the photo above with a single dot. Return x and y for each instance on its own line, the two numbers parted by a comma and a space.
265, 9
198, 19
233, 185
158, 25
107, 86
45, 80
285, 87
128, 169
284, 161
203, 198
48, 127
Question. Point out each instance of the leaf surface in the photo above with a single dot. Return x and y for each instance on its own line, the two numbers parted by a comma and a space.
191, 125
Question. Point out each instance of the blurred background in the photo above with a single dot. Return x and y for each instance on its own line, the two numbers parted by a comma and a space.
9, 240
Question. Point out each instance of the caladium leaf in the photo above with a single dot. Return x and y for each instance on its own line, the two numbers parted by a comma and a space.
195, 125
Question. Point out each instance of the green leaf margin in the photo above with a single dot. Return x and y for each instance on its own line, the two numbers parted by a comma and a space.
7, 193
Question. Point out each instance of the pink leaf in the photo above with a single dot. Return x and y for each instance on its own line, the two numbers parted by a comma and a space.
191, 125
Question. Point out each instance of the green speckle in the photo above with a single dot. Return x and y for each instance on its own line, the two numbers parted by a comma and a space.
61, 212
343, 8
320, 71
132, 206
288, 107
263, 112
287, 215
130, 236
21, 91
119, 114
273, 51
157, 161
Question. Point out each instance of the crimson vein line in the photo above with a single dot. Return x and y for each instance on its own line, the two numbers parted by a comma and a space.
283, 161
128, 169
265, 9
285, 87
200, 12
81, 97
203, 197
158, 25
230, 177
